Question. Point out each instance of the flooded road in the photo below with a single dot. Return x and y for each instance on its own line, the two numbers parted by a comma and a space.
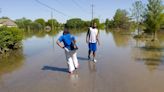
124, 65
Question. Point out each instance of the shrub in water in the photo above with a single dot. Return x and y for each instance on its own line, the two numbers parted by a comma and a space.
10, 38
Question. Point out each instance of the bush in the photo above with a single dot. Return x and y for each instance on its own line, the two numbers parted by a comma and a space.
10, 38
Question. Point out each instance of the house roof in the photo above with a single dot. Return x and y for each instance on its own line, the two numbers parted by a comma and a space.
7, 22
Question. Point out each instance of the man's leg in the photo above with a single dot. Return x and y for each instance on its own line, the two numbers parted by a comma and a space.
75, 60
89, 54
70, 64
94, 55
89, 51
94, 51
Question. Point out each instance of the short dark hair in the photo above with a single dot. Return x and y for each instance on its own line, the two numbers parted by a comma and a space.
66, 31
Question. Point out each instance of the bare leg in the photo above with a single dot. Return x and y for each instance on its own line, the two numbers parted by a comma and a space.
94, 55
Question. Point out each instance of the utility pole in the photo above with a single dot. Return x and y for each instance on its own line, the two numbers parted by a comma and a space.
52, 29
52, 26
0, 10
92, 14
92, 10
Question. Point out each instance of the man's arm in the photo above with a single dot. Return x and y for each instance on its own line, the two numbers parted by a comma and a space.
59, 44
87, 36
97, 38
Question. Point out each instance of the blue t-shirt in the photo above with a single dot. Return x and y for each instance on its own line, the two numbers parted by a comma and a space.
67, 39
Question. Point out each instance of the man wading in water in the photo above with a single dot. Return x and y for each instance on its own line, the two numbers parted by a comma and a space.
92, 40
70, 50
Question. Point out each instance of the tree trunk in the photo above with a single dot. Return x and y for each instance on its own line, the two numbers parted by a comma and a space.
154, 36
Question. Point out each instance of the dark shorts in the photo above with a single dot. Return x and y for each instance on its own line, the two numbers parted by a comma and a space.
92, 46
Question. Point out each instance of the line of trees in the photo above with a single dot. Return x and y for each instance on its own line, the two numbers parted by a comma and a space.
147, 17
76, 23
38, 24
120, 20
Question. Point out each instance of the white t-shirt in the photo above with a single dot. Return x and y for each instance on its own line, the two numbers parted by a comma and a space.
92, 35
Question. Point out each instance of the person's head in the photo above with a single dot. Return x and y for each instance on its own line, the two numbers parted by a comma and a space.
66, 31
94, 25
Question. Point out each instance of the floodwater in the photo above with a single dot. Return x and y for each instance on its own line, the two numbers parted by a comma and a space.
124, 65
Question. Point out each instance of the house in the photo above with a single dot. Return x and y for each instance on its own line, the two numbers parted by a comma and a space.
7, 22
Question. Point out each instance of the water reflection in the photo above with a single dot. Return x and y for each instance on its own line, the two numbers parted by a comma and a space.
150, 52
11, 61
92, 66
40, 34
78, 32
121, 37
114, 69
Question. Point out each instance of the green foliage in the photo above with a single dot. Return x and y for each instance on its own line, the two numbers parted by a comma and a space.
4, 17
109, 23
96, 20
37, 25
10, 38
79, 23
75, 23
53, 23
40, 23
87, 23
137, 11
162, 24
24, 23
99, 25
154, 16
121, 19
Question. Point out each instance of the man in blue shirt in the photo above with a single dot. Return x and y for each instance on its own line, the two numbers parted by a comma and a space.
71, 56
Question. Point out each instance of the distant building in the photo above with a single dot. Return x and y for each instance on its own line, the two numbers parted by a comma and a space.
7, 22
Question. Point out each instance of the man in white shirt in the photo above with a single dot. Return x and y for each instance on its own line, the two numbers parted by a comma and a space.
92, 40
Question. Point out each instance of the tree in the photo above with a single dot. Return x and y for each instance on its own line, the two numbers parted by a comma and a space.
162, 24
109, 23
24, 23
121, 19
75, 23
97, 21
154, 16
10, 38
87, 23
36, 26
4, 17
52, 23
41, 22
137, 12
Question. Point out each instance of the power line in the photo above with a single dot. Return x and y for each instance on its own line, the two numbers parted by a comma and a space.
92, 10
59, 2
51, 8
0, 10
79, 6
